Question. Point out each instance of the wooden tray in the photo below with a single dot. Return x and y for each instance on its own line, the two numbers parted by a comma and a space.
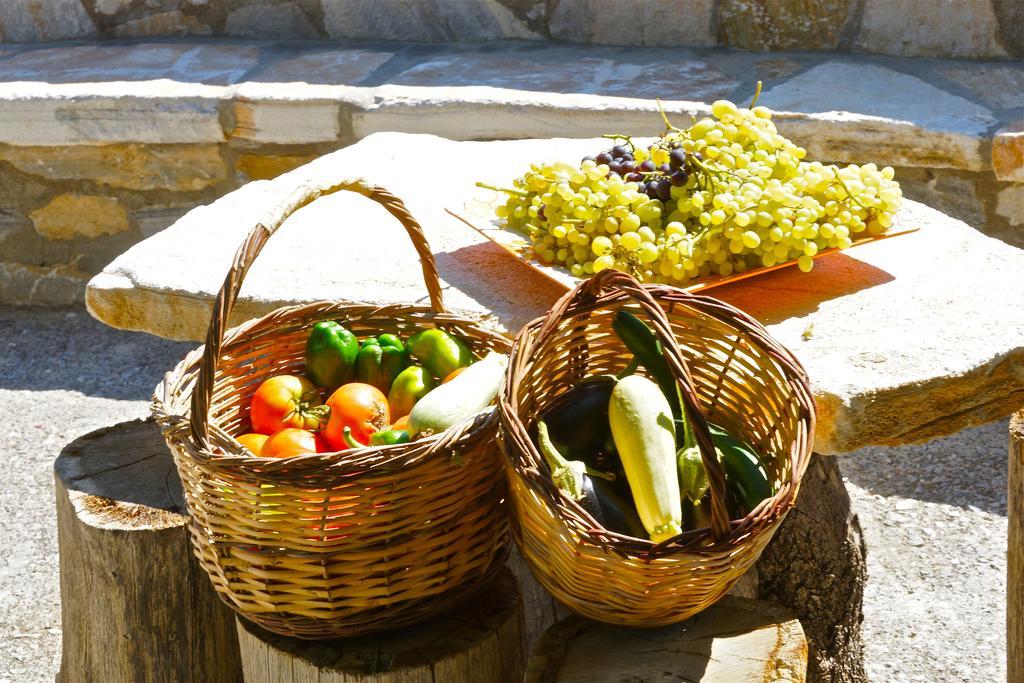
479, 215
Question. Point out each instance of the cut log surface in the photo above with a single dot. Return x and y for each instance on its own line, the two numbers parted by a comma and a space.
1015, 553
135, 605
735, 640
479, 642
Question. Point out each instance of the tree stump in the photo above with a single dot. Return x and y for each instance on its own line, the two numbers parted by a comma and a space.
816, 567
735, 640
481, 641
135, 605
1015, 553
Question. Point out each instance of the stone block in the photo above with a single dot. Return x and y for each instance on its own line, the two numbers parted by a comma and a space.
1010, 204
295, 114
156, 112
425, 21
326, 67
72, 216
20, 243
914, 124
162, 24
634, 22
782, 24
621, 73
952, 192
177, 168
185, 62
267, 166
23, 285
1008, 153
1001, 87
930, 28
153, 220
31, 21
266, 20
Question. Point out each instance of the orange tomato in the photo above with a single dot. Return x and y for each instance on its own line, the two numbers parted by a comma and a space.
453, 374
401, 423
254, 442
285, 401
289, 442
360, 407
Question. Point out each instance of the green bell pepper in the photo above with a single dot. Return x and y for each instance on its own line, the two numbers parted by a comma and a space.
331, 352
380, 361
439, 352
389, 437
411, 385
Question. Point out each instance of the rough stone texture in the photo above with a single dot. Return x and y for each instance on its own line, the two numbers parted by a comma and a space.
267, 166
996, 86
952, 192
27, 21
41, 286
782, 24
185, 62
130, 166
1010, 14
1008, 152
566, 71
265, 20
152, 221
327, 67
96, 113
163, 24
930, 28
949, 128
423, 21
952, 358
1011, 204
69, 216
634, 22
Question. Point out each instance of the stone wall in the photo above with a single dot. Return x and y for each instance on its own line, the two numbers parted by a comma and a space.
927, 28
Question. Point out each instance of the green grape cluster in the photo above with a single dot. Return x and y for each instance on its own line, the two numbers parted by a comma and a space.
725, 195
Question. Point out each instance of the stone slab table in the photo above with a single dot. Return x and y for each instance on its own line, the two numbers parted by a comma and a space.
904, 340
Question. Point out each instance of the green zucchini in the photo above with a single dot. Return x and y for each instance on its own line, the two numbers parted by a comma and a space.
743, 470
641, 340
641, 424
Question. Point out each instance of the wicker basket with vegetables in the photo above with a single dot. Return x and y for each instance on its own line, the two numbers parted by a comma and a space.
340, 468
655, 440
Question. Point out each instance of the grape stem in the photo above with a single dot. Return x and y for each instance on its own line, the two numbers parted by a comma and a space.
757, 95
664, 117
509, 190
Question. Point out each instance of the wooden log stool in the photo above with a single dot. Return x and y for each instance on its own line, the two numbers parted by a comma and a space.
1015, 553
135, 605
734, 641
480, 642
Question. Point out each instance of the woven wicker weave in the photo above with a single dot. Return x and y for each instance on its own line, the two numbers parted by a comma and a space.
338, 544
730, 371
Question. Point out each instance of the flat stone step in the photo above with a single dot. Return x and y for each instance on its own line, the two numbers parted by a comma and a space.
904, 339
897, 111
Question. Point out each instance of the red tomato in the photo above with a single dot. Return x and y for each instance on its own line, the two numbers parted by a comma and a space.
254, 442
360, 407
289, 442
284, 401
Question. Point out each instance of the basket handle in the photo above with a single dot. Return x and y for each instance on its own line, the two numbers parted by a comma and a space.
611, 280
301, 196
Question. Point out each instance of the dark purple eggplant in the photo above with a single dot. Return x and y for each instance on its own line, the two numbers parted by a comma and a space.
577, 422
618, 512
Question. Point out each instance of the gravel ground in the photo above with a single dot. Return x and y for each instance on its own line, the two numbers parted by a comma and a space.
934, 516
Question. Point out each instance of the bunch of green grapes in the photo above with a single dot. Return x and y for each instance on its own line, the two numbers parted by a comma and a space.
723, 196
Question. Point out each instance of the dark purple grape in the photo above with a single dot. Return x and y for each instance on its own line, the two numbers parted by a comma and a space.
664, 189
615, 167
665, 168
634, 177
697, 156
603, 158
540, 213
586, 159
627, 157
619, 151
679, 178
677, 158
651, 188
648, 166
